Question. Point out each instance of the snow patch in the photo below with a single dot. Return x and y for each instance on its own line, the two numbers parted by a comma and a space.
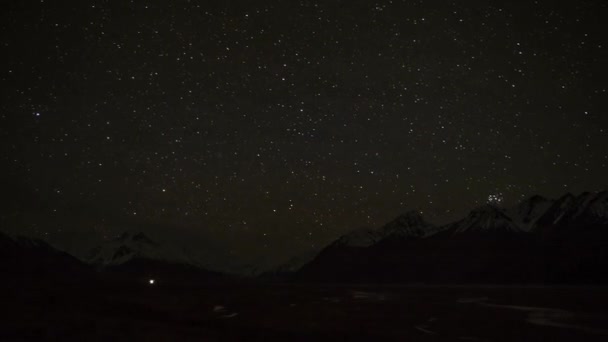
131, 246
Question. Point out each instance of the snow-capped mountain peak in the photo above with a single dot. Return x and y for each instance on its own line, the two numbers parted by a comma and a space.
529, 211
362, 237
487, 218
598, 207
131, 246
409, 225
590, 208
567, 209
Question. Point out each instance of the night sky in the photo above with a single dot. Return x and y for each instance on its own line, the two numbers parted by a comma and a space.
265, 129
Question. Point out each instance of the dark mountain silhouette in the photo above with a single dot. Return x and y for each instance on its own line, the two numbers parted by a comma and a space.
538, 241
487, 219
571, 214
527, 213
136, 257
33, 261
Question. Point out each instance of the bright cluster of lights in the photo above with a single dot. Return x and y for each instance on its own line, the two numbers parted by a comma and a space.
495, 198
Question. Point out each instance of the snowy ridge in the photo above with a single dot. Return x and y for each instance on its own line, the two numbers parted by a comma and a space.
597, 208
408, 225
537, 211
582, 203
529, 211
362, 237
136, 246
526, 217
490, 245
587, 208
558, 210
487, 218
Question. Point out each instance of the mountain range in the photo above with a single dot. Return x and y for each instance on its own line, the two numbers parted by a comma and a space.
537, 241
540, 240
131, 246
131, 257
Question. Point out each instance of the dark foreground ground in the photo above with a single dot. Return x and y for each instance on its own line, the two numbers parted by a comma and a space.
279, 312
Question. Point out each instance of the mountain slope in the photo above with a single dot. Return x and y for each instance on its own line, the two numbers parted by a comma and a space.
348, 256
487, 219
410, 225
570, 213
136, 257
33, 260
538, 241
596, 211
130, 246
529, 211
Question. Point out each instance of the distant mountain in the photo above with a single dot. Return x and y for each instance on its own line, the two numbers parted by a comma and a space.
529, 211
289, 267
361, 237
539, 240
586, 211
595, 212
486, 219
136, 256
34, 261
355, 256
294, 263
131, 246
410, 225
557, 213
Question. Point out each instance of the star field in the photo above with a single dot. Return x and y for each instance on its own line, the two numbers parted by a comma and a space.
271, 128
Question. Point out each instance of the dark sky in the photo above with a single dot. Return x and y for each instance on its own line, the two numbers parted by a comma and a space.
267, 129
